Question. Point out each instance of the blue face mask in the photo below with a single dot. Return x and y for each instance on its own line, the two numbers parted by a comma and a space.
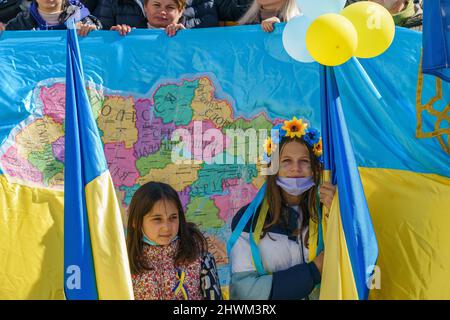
146, 240
295, 186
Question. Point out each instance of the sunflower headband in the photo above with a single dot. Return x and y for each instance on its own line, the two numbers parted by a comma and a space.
294, 128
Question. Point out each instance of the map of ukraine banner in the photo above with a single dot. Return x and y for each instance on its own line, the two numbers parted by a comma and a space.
145, 86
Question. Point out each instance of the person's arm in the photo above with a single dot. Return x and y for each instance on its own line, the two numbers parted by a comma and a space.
209, 279
296, 282
248, 285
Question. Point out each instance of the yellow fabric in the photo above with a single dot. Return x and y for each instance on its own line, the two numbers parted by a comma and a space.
337, 275
31, 242
260, 222
410, 213
112, 271
180, 285
314, 228
312, 241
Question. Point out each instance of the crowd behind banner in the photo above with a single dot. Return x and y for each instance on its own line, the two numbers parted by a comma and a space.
123, 15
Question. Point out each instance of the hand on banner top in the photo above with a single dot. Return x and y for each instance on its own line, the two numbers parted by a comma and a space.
331, 39
375, 27
294, 38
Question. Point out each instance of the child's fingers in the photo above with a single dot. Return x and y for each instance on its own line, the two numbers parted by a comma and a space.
117, 28
328, 186
264, 26
171, 30
267, 26
123, 29
82, 31
326, 192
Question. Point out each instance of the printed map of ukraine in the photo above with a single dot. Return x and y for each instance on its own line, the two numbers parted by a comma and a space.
136, 133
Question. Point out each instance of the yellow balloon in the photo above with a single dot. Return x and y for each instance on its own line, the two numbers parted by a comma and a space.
331, 39
374, 25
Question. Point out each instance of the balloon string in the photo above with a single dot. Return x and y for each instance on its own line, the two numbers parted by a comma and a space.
366, 78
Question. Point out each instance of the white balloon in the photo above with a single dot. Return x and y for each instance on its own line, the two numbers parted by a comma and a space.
294, 35
314, 8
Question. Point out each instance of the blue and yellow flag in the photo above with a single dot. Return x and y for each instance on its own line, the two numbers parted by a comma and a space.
350, 244
95, 256
436, 38
237, 77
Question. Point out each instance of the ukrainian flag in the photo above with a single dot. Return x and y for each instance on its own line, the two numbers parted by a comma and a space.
436, 38
351, 248
95, 256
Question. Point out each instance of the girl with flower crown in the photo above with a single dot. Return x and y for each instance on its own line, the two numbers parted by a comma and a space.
268, 248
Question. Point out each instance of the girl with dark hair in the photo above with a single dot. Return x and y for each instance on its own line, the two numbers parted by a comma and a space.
274, 241
52, 15
168, 256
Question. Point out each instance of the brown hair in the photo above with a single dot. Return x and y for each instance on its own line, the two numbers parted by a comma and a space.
181, 4
192, 244
308, 203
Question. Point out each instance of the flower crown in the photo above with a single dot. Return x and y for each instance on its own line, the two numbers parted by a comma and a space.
294, 128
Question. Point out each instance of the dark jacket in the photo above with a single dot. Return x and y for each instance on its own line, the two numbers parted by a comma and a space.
232, 10
201, 14
91, 5
113, 12
198, 13
9, 9
31, 20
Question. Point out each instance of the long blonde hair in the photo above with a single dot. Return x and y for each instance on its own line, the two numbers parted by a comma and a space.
308, 203
287, 11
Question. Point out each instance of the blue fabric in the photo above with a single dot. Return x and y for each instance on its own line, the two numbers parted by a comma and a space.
382, 130
84, 160
250, 212
436, 38
146, 240
256, 255
356, 221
